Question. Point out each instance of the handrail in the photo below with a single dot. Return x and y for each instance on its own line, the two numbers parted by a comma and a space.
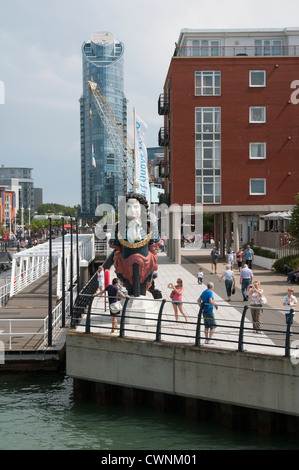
219, 50
157, 320
56, 323
241, 333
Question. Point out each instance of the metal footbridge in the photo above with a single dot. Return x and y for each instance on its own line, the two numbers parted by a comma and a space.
67, 253
36, 303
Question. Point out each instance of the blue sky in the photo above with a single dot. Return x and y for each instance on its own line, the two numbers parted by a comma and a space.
41, 68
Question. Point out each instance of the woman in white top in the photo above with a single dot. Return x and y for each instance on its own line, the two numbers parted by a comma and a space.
289, 301
101, 283
229, 277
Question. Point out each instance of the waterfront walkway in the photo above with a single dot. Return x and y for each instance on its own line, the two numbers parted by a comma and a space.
24, 320
227, 316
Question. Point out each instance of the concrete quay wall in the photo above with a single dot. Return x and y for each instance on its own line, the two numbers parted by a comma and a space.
254, 381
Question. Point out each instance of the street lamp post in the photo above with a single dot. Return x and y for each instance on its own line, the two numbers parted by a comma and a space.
63, 277
63, 218
47, 217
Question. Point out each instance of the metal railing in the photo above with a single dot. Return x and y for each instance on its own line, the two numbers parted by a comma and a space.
237, 333
5, 293
13, 331
221, 51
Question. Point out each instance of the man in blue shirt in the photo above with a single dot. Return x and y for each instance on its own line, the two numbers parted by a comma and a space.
249, 256
207, 299
246, 276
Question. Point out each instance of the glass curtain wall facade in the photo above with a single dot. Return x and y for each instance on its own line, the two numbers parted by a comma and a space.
102, 60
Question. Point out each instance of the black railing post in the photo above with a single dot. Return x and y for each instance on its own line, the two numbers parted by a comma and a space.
197, 335
63, 277
241, 332
87, 325
159, 320
288, 332
50, 326
71, 271
122, 319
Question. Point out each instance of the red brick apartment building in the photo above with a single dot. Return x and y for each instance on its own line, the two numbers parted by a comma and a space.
7, 208
231, 125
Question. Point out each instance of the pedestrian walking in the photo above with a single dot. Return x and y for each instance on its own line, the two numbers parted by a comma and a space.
239, 258
229, 277
249, 256
289, 301
256, 293
231, 257
177, 298
113, 296
208, 303
200, 276
214, 258
246, 276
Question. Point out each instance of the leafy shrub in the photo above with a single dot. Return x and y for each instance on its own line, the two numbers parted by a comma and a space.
292, 261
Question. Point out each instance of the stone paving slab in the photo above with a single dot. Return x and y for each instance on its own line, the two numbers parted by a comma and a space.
227, 316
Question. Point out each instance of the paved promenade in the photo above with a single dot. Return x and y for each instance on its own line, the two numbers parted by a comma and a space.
227, 316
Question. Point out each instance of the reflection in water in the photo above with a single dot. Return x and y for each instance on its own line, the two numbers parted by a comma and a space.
37, 411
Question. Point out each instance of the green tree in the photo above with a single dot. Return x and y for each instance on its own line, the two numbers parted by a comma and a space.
293, 226
58, 209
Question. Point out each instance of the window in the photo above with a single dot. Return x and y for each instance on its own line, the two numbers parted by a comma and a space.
207, 83
257, 186
257, 114
257, 78
203, 48
257, 150
268, 47
208, 155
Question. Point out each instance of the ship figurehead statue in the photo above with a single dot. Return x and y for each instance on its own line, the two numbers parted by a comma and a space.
136, 242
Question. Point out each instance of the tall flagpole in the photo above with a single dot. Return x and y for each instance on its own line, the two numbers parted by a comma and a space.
135, 186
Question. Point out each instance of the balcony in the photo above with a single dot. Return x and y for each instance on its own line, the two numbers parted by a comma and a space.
163, 137
163, 105
231, 51
164, 169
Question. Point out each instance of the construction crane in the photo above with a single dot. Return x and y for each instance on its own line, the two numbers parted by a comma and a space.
123, 151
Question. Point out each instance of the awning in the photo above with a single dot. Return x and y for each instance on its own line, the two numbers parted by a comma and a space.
277, 216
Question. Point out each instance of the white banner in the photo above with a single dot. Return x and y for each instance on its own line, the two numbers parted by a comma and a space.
93, 161
141, 169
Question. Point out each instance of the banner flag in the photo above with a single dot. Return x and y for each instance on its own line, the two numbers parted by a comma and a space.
141, 169
93, 158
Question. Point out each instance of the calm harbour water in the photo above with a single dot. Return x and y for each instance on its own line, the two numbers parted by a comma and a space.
38, 412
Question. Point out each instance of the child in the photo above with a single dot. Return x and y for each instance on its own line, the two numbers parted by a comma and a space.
289, 301
200, 276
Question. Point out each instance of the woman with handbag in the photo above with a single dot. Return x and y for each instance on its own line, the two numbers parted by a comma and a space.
256, 293
229, 277
176, 297
114, 304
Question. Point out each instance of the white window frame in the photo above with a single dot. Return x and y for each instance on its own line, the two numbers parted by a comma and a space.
251, 144
257, 194
268, 47
251, 109
200, 90
203, 48
250, 78
208, 150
